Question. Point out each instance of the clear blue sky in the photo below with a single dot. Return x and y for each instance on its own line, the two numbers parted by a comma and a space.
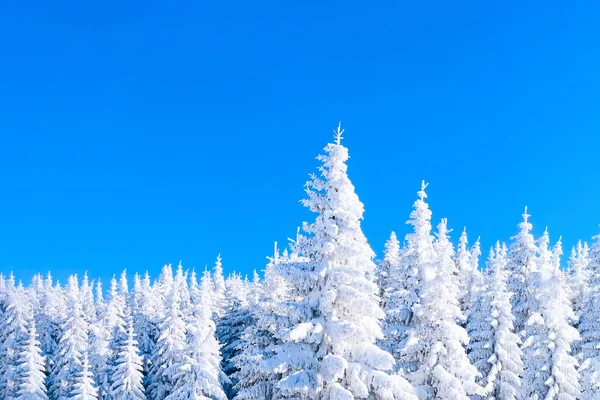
138, 133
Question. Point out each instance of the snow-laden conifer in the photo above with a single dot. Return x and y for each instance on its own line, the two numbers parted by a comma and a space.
330, 352
231, 325
168, 350
578, 280
126, 369
403, 293
146, 316
392, 281
589, 327
83, 386
31, 369
198, 374
72, 346
436, 341
521, 265
254, 380
550, 369
14, 335
218, 280
494, 348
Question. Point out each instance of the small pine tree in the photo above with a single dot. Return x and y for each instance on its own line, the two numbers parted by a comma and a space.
14, 335
494, 348
126, 371
218, 299
169, 349
198, 374
31, 369
83, 387
551, 370
72, 346
589, 327
521, 265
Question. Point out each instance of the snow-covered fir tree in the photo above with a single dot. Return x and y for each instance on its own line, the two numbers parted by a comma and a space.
578, 280
14, 334
198, 374
254, 380
589, 327
146, 314
169, 349
126, 369
436, 341
330, 351
31, 369
521, 265
236, 317
72, 346
218, 297
393, 279
494, 348
83, 386
402, 291
550, 369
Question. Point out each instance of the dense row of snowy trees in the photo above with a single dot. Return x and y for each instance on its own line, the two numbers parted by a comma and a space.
325, 322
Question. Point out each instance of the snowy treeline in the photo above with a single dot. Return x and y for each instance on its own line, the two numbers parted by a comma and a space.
325, 322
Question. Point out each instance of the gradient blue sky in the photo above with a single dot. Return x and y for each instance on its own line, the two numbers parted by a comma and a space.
139, 133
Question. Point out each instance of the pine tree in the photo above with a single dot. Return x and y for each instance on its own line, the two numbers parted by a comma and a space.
107, 334
551, 370
403, 295
31, 369
72, 346
13, 336
169, 349
83, 386
435, 342
578, 280
494, 348
198, 374
49, 318
390, 262
146, 315
254, 380
521, 265
589, 327
230, 327
126, 371
218, 279
329, 352
394, 294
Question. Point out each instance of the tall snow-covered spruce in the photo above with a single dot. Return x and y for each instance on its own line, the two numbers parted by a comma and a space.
330, 352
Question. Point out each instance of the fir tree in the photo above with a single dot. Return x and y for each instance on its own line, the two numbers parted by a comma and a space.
329, 352
521, 265
169, 350
13, 336
494, 348
551, 370
218, 279
589, 327
435, 342
31, 369
72, 346
83, 387
198, 374
126, 371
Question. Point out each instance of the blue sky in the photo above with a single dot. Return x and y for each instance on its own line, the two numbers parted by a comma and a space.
134, 134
